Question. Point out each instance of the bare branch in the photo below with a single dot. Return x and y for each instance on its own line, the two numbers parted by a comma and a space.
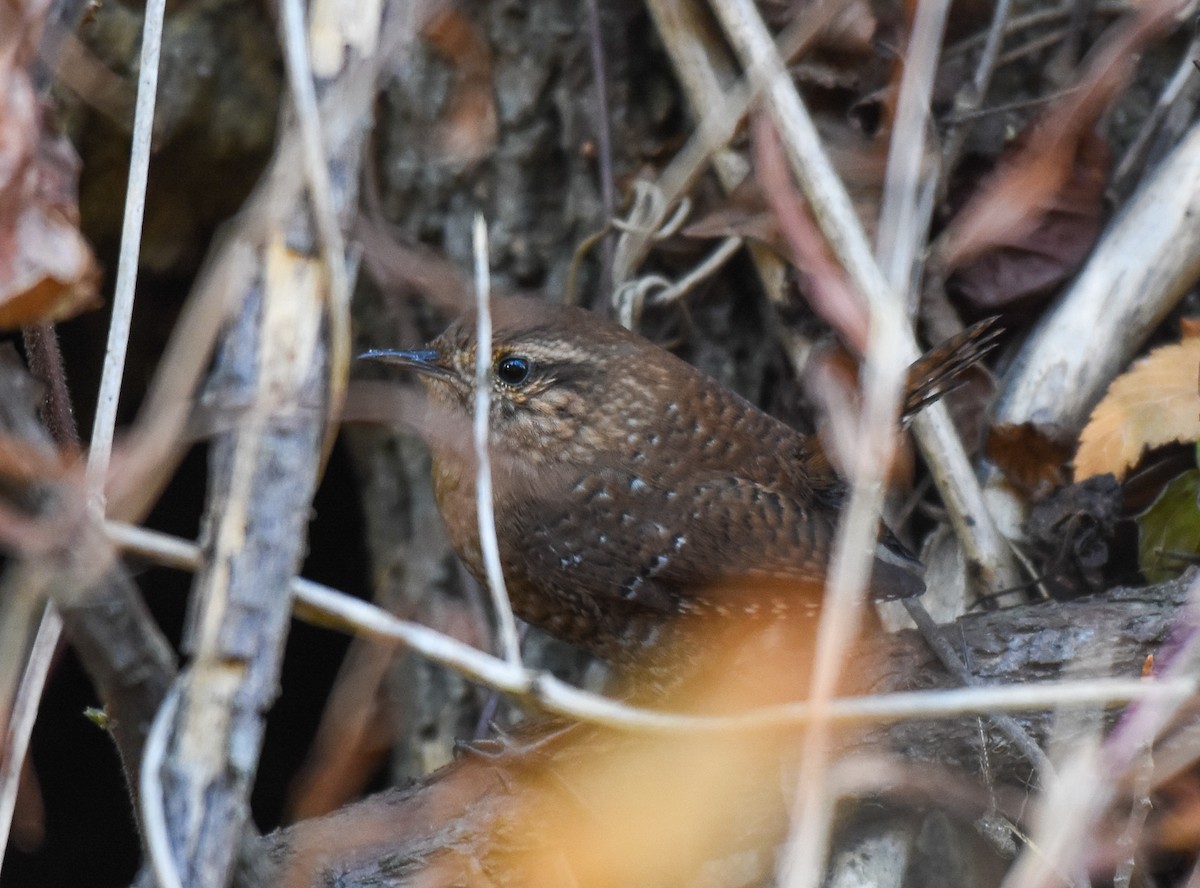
510, 644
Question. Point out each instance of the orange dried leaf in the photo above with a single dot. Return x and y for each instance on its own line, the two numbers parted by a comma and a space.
52, 275
1033, 458
1156, 402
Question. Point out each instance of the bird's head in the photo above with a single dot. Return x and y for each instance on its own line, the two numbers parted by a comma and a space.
564, 383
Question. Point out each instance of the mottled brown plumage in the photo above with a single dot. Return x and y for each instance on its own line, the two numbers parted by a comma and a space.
630, 488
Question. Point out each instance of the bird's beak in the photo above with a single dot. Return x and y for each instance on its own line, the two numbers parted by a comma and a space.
424, 360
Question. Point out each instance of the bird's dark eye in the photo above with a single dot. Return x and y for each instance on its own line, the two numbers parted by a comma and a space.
513, 370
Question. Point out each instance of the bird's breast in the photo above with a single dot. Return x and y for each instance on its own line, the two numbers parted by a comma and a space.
454, 491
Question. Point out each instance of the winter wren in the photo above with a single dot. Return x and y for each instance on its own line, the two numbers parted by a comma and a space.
630, 488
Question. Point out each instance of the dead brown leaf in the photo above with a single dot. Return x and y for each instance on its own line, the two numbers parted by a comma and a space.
1155, 402
744, 214
46, 268
1023, 266
1033, 458
1014, 201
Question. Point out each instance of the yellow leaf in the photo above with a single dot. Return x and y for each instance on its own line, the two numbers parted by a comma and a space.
1156, 402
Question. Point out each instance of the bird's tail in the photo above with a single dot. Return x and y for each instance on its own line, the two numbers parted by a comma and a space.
941, 368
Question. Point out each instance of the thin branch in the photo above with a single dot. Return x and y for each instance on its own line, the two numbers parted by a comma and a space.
719, 112
547, 692
155, 445
1173, 110
152, 798
1036, 19
889, 347
46, 364
902, 229
100, 452
510, 643
949, 658
45, 358
332, 609
49, 631
810, 163
15, 744
709, 266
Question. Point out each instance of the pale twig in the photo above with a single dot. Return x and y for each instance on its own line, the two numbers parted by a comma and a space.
337, 610
155, 445
835, 215
152, 799
510, 643
719, 111
904, 223
320, 189
709, 266
100, 452
648, 212
646, 223
704, 66
830, 203
632, 295
15, 744
840, 611
902, 228
890, 347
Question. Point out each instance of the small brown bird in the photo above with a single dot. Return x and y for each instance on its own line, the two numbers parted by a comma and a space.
630, 488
